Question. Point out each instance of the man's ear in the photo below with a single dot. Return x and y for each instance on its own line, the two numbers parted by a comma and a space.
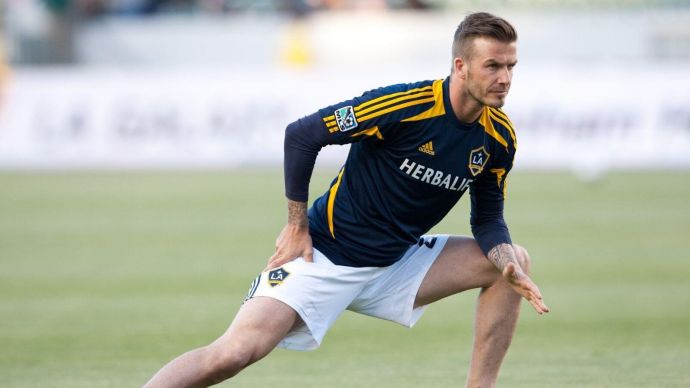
460, 67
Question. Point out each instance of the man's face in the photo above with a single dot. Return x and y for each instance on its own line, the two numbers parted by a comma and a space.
489, 71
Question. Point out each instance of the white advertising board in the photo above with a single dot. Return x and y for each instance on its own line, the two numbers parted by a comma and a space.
566, 117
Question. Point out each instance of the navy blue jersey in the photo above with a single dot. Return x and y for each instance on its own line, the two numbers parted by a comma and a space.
410, 162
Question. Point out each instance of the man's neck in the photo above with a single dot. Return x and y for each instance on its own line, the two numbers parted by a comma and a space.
465, 107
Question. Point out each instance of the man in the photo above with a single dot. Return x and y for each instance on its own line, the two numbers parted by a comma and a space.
416, 149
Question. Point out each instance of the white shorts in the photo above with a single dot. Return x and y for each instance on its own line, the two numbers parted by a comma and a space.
320, 291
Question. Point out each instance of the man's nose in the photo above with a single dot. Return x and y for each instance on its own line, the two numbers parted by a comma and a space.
505, 76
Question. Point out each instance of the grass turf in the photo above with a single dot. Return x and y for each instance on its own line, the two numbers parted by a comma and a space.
104, 277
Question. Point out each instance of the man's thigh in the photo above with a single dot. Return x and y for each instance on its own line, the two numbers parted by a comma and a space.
460, 266
391, 294
260, 324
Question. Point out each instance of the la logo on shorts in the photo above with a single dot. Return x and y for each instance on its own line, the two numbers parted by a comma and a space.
277, 276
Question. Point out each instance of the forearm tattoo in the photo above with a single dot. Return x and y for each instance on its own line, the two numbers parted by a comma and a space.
297, 213
502, 254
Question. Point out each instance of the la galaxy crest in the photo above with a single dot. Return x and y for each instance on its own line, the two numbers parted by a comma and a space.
345, 118
277, 276
478, 159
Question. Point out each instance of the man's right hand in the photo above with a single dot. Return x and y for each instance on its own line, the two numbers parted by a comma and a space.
523, 285
294, 240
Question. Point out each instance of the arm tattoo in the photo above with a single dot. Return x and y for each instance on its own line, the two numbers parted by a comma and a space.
502, 254
297, 213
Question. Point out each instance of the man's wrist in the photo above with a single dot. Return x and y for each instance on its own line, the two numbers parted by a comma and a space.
297, 214
501, 255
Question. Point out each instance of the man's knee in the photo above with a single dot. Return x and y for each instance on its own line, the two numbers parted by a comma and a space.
224, 362
523, 257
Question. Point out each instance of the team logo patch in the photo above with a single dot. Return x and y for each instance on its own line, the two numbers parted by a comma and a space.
277, 276
345, 118
478, 159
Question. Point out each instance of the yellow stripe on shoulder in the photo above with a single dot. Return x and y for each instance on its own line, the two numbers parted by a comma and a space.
503, 115
438, 109
383, 101
397, 103
394, 108
485, 121
492, 113
378, 100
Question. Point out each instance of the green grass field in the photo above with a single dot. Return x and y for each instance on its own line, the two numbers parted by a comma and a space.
104, 277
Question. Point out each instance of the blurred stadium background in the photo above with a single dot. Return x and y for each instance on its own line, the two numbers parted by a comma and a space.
141, 190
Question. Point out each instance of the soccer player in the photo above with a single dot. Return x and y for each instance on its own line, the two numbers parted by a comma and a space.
416, 148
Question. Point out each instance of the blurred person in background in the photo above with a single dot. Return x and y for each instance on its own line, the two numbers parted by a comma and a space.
416, 149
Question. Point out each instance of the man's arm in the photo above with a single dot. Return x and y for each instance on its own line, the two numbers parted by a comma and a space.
303, 140
491, 233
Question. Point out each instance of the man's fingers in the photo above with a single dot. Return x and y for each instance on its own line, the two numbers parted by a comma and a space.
539, 306
543, 307
537, 302
271, 261
275, 261
279, 259
308, 256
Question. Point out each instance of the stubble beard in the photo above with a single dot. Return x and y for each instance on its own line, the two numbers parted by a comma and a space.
499, 102
483, 101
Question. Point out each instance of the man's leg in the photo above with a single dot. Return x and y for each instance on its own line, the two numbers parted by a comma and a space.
258, 327
462, 266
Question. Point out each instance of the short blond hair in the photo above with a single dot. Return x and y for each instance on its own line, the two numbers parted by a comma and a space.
480, 24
